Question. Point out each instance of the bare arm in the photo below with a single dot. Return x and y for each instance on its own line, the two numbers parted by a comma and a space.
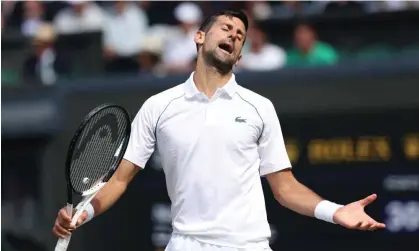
115, 187
290, 193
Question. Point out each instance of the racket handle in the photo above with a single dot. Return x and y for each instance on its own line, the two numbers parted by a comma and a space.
62, 244
69, 209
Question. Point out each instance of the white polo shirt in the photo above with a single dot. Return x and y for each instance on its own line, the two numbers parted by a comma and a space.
213, 153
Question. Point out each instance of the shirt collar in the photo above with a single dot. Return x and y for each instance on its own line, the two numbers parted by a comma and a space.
229, 88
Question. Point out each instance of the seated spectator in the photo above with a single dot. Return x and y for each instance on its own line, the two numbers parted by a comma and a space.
81, 16
309, 51
180, 49
45, 66
259, 10
262, 55
149, 58
124, 29
33, 17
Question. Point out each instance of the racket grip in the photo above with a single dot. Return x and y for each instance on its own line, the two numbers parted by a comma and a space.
62, 244
69, 209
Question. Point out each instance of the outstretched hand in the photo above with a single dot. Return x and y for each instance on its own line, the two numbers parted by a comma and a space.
353, 216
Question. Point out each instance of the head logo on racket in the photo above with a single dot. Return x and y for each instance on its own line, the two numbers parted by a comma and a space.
110, 120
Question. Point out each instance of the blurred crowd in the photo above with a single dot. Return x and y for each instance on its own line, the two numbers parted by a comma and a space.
145, 36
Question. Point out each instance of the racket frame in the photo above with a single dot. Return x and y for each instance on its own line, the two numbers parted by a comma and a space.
88, 195
73, 143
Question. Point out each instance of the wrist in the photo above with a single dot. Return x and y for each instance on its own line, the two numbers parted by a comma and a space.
90, 210
325, 210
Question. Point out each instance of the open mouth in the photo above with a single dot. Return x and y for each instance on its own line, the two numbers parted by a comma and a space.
226, 47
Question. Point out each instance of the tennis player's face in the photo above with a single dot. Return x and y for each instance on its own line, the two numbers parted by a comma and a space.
223, 43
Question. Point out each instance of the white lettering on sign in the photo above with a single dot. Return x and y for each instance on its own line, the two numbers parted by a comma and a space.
402, 183
402, 216
162, 225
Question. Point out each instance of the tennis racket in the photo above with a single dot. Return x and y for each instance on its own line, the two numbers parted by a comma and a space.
94, 154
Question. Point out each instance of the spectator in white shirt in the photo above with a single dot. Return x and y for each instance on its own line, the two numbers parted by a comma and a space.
180, 49
81, 16
33, 17
124, 29
262, 55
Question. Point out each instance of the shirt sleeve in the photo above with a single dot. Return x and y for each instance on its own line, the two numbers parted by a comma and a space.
272, 151
142, 139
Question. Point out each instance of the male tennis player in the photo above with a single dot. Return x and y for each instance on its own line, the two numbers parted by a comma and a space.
215, 139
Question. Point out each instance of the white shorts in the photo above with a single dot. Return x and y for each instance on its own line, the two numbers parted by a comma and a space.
186, 243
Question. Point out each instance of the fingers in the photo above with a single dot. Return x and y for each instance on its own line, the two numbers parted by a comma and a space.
362, 225
59, 230
368, 225
64, 219
368, 200
81, 219
357, 226
376, 225
62, 226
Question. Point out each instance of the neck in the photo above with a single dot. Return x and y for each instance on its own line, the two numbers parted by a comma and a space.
208, 78
308, 48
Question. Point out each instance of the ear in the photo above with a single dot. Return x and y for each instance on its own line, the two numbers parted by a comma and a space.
199, 38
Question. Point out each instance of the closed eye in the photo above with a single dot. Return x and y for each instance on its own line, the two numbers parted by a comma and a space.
240, 34
225, 27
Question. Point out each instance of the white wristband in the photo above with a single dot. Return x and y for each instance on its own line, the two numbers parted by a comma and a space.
325, 210
90, 213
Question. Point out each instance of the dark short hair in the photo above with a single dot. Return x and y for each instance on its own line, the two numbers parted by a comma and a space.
210, 20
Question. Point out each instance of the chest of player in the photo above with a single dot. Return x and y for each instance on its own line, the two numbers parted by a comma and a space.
221, 123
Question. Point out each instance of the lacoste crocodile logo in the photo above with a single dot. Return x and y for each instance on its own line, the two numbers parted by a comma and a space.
240, 120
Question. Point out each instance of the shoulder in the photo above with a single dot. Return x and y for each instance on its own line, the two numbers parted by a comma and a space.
168, 95
65, 13
262, 104
324, 47
255, 98
273, 48
158, 102
93, 8
326, 52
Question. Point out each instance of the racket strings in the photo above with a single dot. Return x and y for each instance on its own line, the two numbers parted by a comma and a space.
95, 150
